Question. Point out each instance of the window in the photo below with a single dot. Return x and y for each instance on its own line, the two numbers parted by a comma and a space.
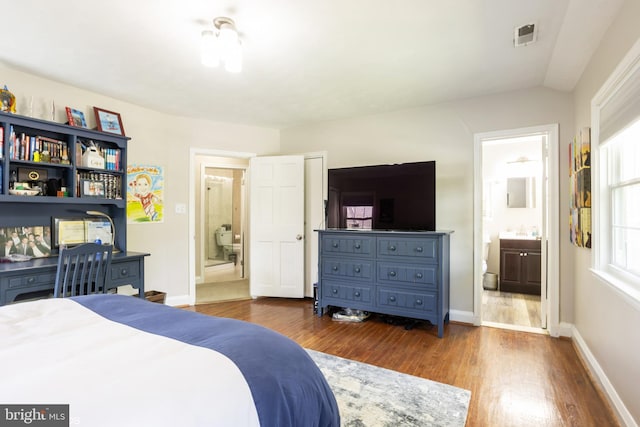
623, 154
616, 132
359, 217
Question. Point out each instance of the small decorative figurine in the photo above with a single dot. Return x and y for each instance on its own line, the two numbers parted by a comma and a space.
8, 101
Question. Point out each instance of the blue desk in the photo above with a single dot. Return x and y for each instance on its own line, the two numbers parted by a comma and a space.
21, 280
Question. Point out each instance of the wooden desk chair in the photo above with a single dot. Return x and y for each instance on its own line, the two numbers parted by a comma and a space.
83, 270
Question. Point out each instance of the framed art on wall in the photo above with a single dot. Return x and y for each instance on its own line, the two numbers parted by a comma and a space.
108, 121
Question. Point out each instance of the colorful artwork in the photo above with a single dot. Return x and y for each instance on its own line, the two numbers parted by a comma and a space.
145, 194
580, 187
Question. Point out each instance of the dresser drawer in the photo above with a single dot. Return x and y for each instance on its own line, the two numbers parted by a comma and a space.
123, 272
337, 244
341, 294
345, 268
417, 301
29, 280
391, 272
425, 249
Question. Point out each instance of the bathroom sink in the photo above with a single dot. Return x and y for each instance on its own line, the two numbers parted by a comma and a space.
517, 236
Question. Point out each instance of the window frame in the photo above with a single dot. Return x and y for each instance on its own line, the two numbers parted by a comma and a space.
625, 283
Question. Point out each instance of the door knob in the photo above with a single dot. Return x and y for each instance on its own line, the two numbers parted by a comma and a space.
299, 237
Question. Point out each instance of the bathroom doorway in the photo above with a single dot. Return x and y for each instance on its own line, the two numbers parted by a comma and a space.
223, 190
515, 230
220, 229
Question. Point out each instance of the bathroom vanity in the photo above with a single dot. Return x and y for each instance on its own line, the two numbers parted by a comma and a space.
520, 265
400, 273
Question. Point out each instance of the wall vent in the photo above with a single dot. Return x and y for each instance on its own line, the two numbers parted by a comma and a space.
524, 35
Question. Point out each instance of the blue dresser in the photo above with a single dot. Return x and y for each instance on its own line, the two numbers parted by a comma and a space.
388, 272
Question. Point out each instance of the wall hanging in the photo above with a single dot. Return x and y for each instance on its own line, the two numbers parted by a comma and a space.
580, 187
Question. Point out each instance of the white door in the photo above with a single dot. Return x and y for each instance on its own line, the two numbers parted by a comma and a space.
276, 226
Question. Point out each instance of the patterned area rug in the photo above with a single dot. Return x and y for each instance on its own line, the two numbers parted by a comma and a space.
369, 396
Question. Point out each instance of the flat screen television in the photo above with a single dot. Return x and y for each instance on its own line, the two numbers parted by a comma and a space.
383, 197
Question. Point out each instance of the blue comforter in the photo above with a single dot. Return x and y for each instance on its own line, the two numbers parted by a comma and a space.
287, 387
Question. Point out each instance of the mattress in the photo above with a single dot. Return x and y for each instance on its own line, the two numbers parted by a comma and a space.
120, 360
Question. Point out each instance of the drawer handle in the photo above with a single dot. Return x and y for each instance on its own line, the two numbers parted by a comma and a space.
418, 275
392, 273
357, 245
124, 272
335, 268
418, 302
357, 269
392, 248
419, 249
334, 290
392, 298
31, 279
335, 244
356, 293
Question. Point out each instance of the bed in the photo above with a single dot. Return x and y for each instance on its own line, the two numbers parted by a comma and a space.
120, 360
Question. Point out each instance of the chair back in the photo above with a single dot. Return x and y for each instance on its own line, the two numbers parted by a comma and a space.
83, 270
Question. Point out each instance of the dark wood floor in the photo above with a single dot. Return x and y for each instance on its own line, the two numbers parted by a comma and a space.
515, 378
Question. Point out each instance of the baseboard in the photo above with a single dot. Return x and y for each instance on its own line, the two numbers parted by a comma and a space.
563, 330
461, 316
180, 300
598, 374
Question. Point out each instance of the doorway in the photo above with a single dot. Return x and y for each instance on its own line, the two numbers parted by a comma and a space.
515, 231
220, 206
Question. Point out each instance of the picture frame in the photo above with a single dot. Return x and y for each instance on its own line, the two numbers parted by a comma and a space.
108, 121
22, 243
76, 118
92, 188
75, 231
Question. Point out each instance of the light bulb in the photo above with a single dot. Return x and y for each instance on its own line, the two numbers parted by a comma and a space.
209, 54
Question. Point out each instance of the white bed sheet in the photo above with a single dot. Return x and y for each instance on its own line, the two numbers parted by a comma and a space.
55, 351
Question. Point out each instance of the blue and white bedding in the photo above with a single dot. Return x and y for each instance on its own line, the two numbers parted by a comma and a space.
119, 360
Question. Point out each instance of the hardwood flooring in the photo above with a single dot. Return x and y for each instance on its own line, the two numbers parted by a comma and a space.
515, 378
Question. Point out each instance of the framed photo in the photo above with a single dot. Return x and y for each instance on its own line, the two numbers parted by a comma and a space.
76, 231
91, 188
25, 242
108, 121
76, 118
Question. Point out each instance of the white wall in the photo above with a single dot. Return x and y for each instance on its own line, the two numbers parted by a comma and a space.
443, 133
605, 321
156, 139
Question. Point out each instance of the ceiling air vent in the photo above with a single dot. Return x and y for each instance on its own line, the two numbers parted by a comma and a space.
524, 35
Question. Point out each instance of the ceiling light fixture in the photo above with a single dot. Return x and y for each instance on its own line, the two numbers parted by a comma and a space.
222, 45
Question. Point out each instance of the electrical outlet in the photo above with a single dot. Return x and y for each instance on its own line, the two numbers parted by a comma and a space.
181, 208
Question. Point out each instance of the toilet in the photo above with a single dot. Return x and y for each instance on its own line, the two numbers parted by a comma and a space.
224, 239
489, 280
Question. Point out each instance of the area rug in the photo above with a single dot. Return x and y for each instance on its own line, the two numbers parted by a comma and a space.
369, 396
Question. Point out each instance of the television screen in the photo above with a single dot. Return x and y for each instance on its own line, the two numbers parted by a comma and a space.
383, 197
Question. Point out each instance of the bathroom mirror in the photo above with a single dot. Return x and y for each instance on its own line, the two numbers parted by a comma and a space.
521, 192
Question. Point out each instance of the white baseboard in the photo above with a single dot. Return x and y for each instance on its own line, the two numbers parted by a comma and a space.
563, 330
597, 373
461, 316
179, 300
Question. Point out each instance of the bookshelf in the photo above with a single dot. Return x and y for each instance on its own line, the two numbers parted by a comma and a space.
67, 171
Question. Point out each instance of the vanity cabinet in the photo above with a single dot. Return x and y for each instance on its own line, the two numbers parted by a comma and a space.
520, 266
389, 272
